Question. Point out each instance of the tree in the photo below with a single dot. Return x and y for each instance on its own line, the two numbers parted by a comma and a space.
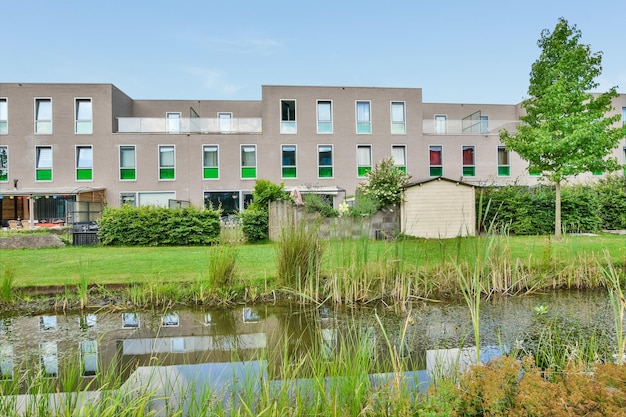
385, 183
565, 130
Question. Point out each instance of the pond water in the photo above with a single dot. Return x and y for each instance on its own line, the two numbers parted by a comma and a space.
221, 346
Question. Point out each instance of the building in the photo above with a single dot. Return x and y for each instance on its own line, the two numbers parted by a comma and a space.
66, 146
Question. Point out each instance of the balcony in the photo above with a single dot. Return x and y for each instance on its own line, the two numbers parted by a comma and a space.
189, 125
468, 127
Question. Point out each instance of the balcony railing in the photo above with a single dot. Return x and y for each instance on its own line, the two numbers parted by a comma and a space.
468, 127
189, 125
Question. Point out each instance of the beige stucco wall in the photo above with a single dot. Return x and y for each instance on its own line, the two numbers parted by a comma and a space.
439, 209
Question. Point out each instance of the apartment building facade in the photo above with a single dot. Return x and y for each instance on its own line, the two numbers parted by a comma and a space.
62, 143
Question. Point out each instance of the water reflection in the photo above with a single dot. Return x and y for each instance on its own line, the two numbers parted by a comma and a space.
201, 344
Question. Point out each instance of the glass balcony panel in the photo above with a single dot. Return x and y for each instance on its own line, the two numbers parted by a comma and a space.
188, 125
460, 127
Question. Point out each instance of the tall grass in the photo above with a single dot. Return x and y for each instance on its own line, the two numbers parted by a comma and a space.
299, 253
614, 282
7, 284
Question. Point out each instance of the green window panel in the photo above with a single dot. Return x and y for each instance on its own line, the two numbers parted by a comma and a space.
248, 172
325, 172
128, 174
289, 172
44, 175
534, 173
166, 173
4, 176
398, 128
362, 171
402, 169
469, 171
436, 171
83, 174
504, 171
4, 127
597, 172
211, 173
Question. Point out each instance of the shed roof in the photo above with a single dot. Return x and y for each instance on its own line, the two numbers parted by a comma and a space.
427, 180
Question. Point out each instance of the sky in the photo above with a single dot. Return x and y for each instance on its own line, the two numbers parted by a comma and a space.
456, 51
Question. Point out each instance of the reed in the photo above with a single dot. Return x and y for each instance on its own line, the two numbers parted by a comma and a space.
7, 287
614, 282
299, 253
222, 266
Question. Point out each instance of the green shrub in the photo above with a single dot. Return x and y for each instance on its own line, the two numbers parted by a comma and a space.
611, 194
385, 184
314, 203
158, 226
254, 224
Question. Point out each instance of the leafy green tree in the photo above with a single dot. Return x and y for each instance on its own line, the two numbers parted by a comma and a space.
385, 184
565, 130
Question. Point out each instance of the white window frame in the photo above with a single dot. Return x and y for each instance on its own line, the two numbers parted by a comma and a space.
6, 162
134, 166
463, 165
321, 123
4, 116
508, 158
225, 121
37, 161
398, 127
126, 197
173, 123
359, 165
441, 124
217, 163
404, 155
295, 157
166, 166
332, 160
44, 122
79, 122
256, 162
360, 121
430, 166
80, 162
288, 126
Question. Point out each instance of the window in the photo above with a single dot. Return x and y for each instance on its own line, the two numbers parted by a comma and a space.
289, 161
167, 169
49, 359
288, 116
534, 172
363, 117
43, 115
624, 159
484, 124
44, 163
469, 163
4, 117
6, 362
84, 163
84, 116
48, 322
436, 160
128, 199
248, 161
623, 116
504, 166
226, 123
170, 320
363, 160
173, 122
210, 170
128, 164
130, 320
398, 122
325, 161
324, 116
4, 163
89, 357
441, 124
398, 153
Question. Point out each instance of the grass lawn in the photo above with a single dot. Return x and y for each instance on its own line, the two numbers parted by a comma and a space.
257, 263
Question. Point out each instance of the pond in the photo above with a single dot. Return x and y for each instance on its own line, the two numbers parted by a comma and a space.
222, 347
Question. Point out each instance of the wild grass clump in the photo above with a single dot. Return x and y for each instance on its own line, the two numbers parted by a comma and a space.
7, 284
299, 254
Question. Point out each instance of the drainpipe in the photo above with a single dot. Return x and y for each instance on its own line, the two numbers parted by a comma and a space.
31, 211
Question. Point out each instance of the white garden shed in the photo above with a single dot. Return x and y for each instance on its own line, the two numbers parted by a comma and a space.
439, 208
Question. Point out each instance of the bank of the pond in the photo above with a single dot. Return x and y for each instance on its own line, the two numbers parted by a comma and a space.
349, 272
